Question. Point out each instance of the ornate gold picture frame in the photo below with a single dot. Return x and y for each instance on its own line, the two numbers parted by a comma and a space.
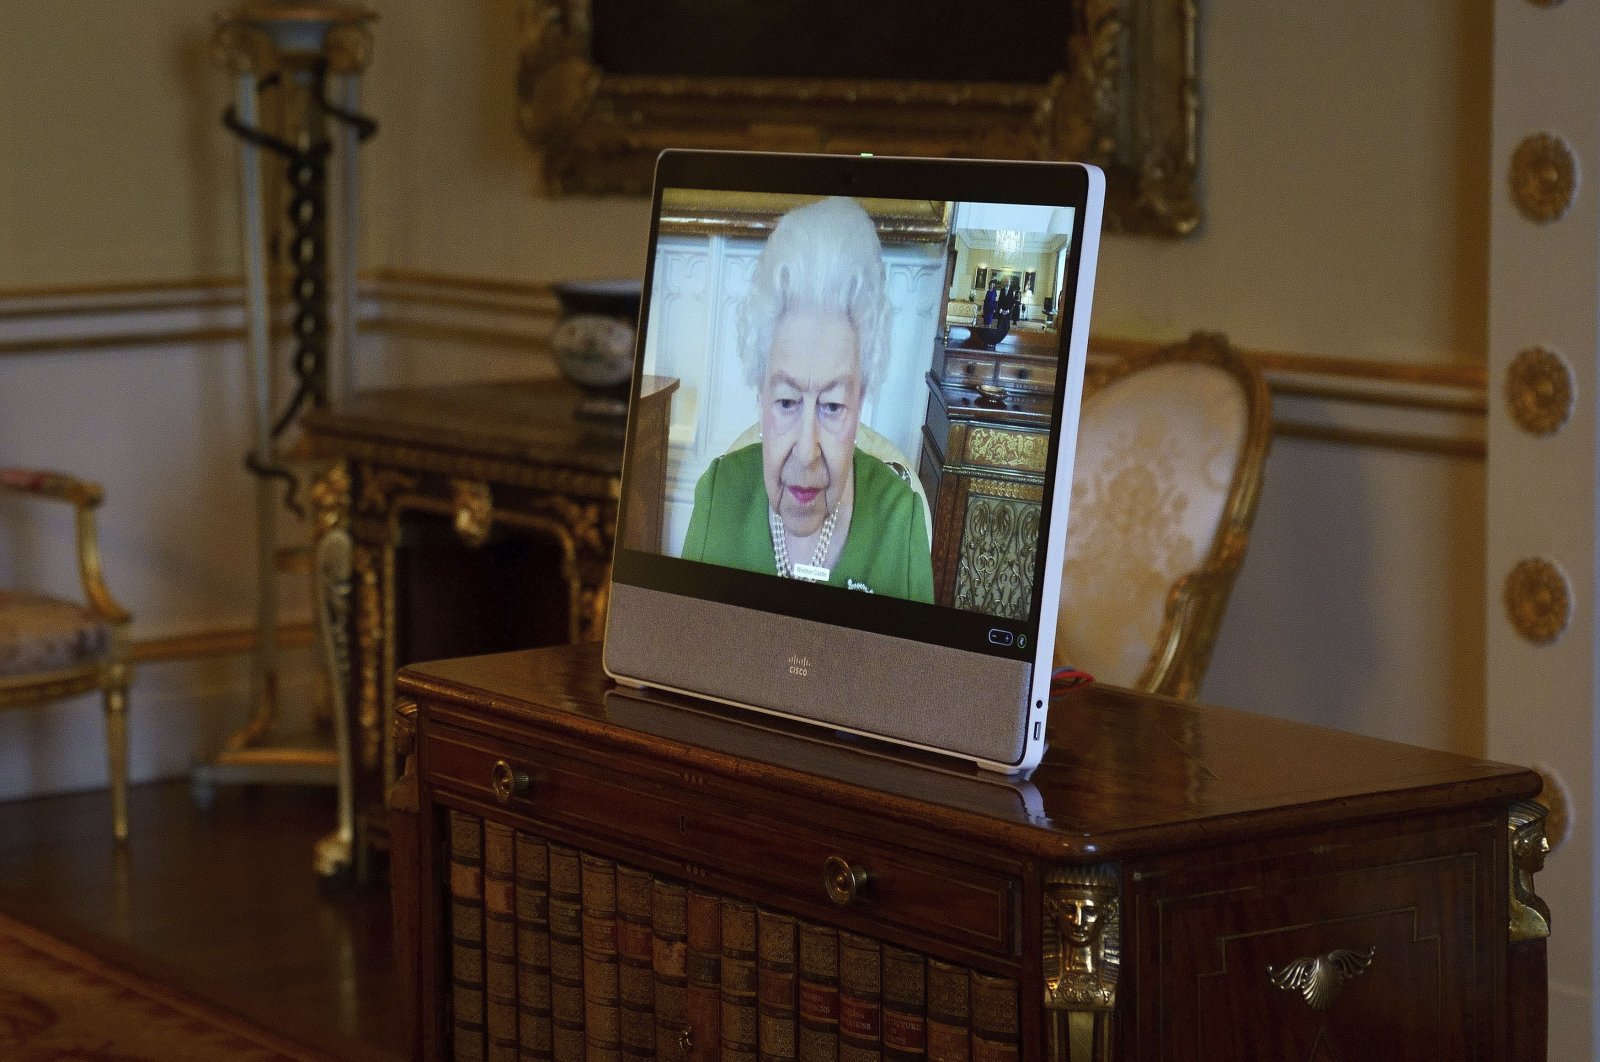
1125, 97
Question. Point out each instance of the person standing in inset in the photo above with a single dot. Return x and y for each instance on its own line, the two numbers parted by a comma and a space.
1007, 302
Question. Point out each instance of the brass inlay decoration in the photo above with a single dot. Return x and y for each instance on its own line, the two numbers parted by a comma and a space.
582, 521
1557, 801
1081, 959
1544, 177
1530, 915
331, 581
1004, 488
474, 511
1538, 600
1539, 390
1008, 449
381, 464
995, 563
403, 795
1319, 979
377, 484
369, 631
1126, 97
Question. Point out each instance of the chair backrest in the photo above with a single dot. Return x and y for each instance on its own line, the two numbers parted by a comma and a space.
873, 444
1171, 449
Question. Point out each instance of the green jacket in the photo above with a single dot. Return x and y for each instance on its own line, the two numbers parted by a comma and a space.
886, 551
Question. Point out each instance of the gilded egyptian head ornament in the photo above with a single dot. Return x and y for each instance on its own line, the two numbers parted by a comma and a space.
1529, 844
1081, 920
1530, 915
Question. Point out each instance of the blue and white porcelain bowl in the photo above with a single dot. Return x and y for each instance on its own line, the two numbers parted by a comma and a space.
594, 342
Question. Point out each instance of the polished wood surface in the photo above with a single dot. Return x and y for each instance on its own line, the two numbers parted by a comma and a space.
1124, 774
222, 903
1230, 849
511, 420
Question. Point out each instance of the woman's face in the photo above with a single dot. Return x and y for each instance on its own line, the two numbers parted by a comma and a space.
810, 409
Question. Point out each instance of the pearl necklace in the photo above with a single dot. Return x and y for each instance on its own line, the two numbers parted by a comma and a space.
813, 572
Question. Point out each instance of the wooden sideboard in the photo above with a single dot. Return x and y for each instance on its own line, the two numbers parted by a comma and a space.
1173, 882
457, 519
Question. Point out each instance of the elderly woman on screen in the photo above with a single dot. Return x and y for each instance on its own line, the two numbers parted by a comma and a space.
805, 502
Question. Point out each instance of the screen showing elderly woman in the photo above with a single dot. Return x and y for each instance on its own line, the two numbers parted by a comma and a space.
805, 500
811, 354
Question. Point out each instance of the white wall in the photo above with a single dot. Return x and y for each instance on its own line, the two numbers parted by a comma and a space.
1544, 278
1344, 217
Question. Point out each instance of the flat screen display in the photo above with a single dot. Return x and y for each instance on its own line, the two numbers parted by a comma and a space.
868, 396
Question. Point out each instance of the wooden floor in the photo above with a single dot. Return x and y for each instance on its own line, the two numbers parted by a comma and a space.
223, 902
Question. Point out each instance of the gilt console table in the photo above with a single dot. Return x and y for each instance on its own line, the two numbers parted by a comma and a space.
457, 519
581, 871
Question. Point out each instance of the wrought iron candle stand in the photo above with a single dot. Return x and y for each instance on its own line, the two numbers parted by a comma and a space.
297, 68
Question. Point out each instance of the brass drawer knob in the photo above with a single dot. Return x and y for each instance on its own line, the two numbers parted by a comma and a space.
686, 1040
508, 782
841, 881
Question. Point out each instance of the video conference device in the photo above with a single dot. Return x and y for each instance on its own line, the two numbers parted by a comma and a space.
801, 551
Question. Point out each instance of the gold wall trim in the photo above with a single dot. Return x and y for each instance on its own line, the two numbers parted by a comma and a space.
1544, 177
457, 282
517, 316
1448, 446
476, 293
1539, 390
1464, 375
224, 642
478, 337
1538, 600
120, 341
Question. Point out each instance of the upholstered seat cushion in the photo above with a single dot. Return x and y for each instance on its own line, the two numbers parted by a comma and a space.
1157, 451
39, 634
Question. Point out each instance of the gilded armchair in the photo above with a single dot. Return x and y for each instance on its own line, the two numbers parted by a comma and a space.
52, 648
1171, 449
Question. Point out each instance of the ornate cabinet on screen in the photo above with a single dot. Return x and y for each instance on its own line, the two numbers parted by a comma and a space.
1174, 882
461, 519
984, 446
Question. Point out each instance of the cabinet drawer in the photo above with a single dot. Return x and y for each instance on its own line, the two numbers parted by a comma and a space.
917, 891
1381, 961
1036, 378
967, 371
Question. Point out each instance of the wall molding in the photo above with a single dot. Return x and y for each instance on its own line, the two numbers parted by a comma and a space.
233, 641
1438, 407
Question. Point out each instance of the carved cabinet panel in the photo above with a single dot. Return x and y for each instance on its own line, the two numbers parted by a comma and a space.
985, 465
1330, 947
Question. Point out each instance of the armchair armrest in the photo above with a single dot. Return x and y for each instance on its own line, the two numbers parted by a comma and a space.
84, 497
56, 485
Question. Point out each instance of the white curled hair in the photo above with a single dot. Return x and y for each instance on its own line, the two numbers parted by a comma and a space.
824, 257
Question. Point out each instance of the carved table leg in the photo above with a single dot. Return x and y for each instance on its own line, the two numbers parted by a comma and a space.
1527, 986
404, 873
331, 575
1082, 956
